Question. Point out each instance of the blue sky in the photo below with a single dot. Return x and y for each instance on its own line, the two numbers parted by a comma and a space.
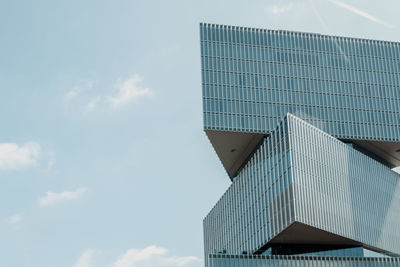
103, 161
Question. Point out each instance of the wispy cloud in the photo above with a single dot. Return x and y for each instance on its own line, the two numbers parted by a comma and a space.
85, 98
181, 261
279, 8
91, 104
85, 260
152, 256
133, 256
78, 88
51, 159
361, 13
52, 198
15, 219
128, 90
13, 156
321, 20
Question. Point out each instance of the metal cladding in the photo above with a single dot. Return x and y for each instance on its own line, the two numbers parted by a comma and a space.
347, 87
304, 186
251, 78
298, 261
307, 126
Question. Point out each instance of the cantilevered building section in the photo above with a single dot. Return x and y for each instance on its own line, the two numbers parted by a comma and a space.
303, 186
347, 87
307, 127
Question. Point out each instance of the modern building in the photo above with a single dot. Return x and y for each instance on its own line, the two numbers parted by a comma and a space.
307, 127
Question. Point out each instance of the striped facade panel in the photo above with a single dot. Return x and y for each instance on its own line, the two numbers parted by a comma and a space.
347, 87
298, 261
302, 174
259, 203
342, 191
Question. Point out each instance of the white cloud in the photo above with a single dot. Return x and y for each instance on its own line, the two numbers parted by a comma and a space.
360, 13
52, 198
79, 87
181, 261
51, 159
13, 156
85, 260
152, 256
91, 104
128, 90
15, 219
71, 94
83, 98
133, 256
279, 8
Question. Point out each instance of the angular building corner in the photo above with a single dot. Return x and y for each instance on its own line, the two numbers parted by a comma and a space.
307, 127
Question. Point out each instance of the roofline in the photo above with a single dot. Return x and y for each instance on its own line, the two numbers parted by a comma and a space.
205, 24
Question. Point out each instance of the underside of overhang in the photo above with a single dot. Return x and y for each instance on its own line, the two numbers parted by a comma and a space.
302, 234
233, 148
388, 151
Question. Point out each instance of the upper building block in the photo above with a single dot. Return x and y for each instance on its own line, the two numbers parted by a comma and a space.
347, 87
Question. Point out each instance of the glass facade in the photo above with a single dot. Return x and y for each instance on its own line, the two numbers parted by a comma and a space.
306, 126
319, 250
259, 203
298, 261
302, 174
347, 87
342, 191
